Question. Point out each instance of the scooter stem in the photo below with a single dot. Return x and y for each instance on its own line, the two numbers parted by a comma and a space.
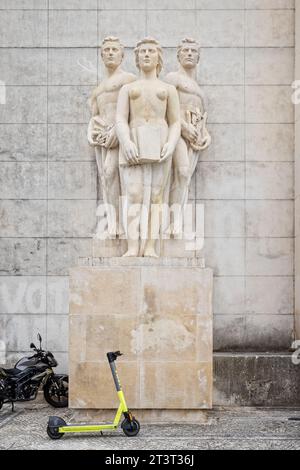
112, 357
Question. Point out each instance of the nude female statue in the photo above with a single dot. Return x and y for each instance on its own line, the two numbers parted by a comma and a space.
148, 128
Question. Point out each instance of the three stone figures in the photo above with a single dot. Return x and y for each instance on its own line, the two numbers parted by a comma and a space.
148, 135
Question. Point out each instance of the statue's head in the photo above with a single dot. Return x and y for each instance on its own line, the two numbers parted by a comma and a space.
148, 55
188, 53
112, 52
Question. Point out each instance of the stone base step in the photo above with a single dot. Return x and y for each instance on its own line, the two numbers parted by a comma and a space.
143, 416
256, 379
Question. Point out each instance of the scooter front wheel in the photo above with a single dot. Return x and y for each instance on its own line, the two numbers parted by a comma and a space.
130, 428
54, 434
54, 423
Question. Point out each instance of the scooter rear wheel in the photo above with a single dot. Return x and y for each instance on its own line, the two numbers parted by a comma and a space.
54, 434
130, 428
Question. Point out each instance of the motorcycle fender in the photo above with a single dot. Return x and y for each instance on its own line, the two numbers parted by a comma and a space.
61, 376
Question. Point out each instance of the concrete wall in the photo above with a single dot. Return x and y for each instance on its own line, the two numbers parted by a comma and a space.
48, 186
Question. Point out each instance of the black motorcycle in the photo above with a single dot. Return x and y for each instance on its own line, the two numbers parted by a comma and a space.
23, 381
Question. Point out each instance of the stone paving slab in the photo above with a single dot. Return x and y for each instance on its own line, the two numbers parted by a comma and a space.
6, 416
237, 428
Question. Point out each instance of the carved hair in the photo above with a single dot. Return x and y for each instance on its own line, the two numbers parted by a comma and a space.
113, 39
187, 41
153, 41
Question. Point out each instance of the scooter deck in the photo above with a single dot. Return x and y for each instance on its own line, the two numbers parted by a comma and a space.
86, 428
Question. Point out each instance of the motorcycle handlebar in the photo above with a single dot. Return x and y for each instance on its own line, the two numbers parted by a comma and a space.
39, 352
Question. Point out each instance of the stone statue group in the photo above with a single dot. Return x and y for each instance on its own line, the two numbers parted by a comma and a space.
148, 135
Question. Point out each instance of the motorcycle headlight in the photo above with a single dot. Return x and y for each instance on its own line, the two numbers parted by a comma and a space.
51, 360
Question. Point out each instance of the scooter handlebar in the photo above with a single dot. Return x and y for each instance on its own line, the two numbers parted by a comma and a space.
112, 356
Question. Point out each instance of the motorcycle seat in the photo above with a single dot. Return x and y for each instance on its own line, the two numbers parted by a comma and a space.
13, 371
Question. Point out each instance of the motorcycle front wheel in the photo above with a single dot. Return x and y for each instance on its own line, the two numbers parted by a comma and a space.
56, 391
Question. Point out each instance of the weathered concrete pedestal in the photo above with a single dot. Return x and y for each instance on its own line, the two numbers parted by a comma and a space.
159, 314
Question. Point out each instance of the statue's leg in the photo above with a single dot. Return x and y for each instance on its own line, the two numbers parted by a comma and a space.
160, 179
179, 185
100, 159
166, 213
194, 158
112, 184
181, 173
100, 165
146, 206
132, 186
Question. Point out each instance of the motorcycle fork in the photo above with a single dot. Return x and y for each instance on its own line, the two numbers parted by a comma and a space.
49, 372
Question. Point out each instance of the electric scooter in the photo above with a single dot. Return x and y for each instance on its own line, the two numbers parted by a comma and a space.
57, 427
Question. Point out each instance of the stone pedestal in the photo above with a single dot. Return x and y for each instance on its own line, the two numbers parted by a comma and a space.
159, 314
168, 248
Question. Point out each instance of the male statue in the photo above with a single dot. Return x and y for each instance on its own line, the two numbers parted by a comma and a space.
194, 135
102, 133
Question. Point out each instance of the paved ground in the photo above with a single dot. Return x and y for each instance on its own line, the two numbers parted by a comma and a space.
239, 428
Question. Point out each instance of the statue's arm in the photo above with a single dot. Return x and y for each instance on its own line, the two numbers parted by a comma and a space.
94, 112
206, 137
188, 131
94, 105
172, 79
112, 138
203, 102
122, 116
173, 117
122, 127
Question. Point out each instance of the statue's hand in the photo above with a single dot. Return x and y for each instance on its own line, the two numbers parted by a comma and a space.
111, 140
131, 152
166, 152
91, 140
189, 133
206, 142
